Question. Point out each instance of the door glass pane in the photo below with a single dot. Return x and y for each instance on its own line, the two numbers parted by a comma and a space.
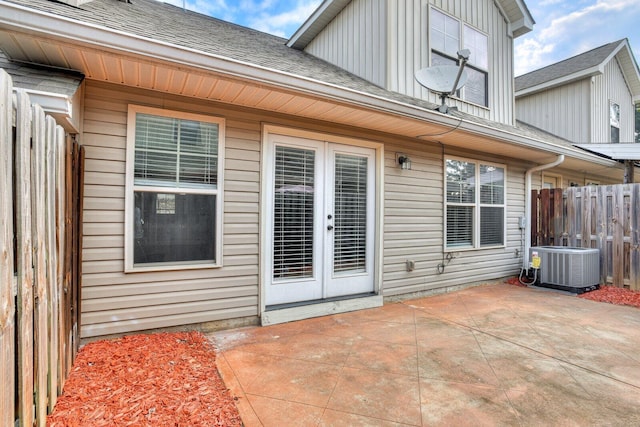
293, 213
350, 195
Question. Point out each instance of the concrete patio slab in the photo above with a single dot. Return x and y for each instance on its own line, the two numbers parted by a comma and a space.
488, 355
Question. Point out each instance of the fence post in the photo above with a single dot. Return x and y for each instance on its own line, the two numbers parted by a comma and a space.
601, 231
634, 255
52, 263
25, 258
557, 216
7, 304
618, 235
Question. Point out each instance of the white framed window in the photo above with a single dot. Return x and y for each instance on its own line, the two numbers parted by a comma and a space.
173, 202
475, 204
614, 121
447, 36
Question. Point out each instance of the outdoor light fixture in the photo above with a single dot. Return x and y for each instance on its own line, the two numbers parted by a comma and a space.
404, 162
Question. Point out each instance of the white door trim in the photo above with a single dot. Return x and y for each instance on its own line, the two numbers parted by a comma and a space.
331, 307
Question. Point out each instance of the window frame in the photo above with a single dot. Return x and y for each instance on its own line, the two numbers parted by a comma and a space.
477, 206
614, 122
131, 188
460, 94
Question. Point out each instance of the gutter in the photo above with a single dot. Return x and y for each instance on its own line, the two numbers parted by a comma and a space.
527, 206
43, 24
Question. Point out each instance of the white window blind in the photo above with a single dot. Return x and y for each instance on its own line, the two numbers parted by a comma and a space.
173, 152
293, 213
350, 197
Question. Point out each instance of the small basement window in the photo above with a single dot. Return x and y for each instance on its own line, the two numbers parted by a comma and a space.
173, 199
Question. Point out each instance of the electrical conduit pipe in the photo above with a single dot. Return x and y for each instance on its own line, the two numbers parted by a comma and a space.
527, 206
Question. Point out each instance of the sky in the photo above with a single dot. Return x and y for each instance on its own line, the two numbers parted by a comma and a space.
563, 28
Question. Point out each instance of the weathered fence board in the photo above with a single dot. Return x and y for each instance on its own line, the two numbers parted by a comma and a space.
25, 259
7, 301
38, 335
603, 217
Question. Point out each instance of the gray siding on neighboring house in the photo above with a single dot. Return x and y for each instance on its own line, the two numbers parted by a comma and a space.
612, 86
562, 111
392, 59
115, 302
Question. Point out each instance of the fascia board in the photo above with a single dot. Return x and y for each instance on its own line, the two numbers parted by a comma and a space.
49, 25
49, 101
570, 78
630, 71
549, 147
307, 31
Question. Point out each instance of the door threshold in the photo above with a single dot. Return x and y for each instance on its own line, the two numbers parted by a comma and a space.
283, 313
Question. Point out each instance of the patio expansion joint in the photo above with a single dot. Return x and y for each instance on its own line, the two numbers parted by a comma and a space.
558, 359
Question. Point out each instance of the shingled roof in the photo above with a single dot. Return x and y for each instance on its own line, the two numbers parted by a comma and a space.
194, 32
578, 67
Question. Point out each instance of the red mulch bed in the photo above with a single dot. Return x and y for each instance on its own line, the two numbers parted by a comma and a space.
166, 379
614, 295
610, 294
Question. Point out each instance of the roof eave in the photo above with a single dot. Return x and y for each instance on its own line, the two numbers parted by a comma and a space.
93, 36
570, 78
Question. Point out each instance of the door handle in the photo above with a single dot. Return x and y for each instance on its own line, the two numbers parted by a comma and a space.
329, 227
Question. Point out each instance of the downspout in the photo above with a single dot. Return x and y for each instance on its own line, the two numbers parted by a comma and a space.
527, 207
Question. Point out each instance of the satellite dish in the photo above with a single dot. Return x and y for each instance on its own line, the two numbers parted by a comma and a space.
444, 79
441, 78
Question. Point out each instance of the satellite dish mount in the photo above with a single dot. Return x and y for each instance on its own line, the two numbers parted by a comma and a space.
445, 79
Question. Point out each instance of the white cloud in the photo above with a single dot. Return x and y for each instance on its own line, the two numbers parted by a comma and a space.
588, 25
283, 23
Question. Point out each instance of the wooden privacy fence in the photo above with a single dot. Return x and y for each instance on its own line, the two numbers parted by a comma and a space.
603, 217
39, 196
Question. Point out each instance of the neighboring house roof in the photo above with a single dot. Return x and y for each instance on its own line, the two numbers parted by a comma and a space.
153, 45
515, 12
581, 66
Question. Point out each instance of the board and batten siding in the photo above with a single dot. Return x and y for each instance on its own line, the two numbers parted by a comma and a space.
114, 302
356, 40
562, 111
611, 86
386, 42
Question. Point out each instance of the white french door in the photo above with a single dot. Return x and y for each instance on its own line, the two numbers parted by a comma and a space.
321, 219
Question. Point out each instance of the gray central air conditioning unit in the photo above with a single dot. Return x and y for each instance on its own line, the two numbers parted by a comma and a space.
567, 268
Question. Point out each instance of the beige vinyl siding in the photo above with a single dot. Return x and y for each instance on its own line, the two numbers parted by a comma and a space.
356, 40
562, 111
414, 223
386, 42
115, 302
612, 86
